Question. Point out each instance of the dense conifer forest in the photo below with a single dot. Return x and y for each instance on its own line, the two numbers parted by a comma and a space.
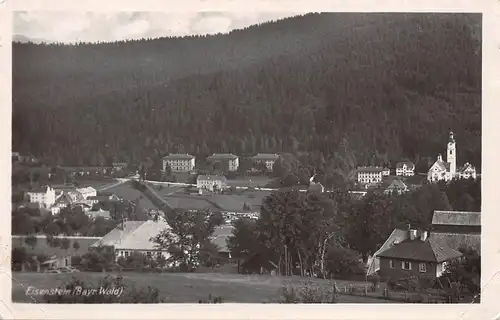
342, 89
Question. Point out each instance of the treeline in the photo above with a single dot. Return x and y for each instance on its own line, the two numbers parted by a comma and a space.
380, 87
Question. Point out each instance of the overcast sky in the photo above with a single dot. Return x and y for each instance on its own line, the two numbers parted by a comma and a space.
91, 26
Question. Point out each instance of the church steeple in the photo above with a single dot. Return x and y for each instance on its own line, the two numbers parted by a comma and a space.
451, 155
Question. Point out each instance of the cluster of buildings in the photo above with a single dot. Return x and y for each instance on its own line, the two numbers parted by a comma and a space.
440, 171
228, 161
53, 200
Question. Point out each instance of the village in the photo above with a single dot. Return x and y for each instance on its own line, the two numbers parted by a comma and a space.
123, 207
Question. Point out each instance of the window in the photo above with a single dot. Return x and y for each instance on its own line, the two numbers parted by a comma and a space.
391, 264
126, 253
148, 254
422, 267
405, 265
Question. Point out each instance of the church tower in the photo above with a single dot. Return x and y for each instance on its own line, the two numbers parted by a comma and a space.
451, 155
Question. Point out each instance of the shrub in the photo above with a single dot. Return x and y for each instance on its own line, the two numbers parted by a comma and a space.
308, 293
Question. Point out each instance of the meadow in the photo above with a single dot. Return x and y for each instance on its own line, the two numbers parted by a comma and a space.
182, 287
128, 192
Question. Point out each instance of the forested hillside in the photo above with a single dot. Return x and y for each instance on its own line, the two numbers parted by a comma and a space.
347, 89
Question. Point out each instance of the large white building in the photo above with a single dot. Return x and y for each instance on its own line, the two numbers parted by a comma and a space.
370, 175
211, 182
268, 158
179, 162
45, 196
87, 192
405, 169
223, 158
447, 170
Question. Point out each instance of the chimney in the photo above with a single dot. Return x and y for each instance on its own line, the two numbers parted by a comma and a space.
413, 234
423, 236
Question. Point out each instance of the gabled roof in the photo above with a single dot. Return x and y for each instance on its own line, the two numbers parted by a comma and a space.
370, 169
397, 236
466, 167
135, 235
211, 177
397, 184
178, 156
428, 251
222, 156
41, 189
444, 166
457, 240
409, 165
266, 156
456, 218
86, 190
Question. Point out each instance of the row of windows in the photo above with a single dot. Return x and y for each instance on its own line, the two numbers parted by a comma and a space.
149, 254
406, 265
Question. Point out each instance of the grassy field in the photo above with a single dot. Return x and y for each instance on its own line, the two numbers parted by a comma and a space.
182, 287
256, 181
43, 247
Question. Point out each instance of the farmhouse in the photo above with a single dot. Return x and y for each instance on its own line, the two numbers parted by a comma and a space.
405, 169
396, 187
446, 171
267, 158
228, 161
370, 175
134, 236
87, 192
45, 196
211, 182
415, 256
179, 162
386, 172
394, 238
457, 229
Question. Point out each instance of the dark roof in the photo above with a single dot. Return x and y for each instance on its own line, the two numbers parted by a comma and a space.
409, 165
211, 177
456, 218
429, 251
370, 169
178, 156
222, 156
41, 189
466, 167
266, 156
457, 240
397, 184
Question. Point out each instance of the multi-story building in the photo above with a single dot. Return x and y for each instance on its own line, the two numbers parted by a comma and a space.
405, 169
87, 192
228, 161
268, 158
211, 182
45, 196
370, 175
179, 162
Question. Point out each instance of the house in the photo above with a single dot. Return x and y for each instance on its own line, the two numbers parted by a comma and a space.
74, 196
179, 162
457, 229
396, 187
103, 199
405, 169
397, 236
415, 256
45, 196
94, 214
258, 264
267, 158
229, 161
386, 172
211, 182
370, 175
135, 236
219, 238
55, 262
446, 171
87, 192
119, 166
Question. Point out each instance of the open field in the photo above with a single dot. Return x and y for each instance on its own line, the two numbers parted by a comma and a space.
96, 184
183, 287
42, 247
257, 181
127, 192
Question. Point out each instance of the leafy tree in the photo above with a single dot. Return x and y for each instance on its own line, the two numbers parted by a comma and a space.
76, 245
99, 259
22, 224
65, 243
243, 242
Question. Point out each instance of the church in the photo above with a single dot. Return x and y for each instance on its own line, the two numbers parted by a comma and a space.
447, 171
